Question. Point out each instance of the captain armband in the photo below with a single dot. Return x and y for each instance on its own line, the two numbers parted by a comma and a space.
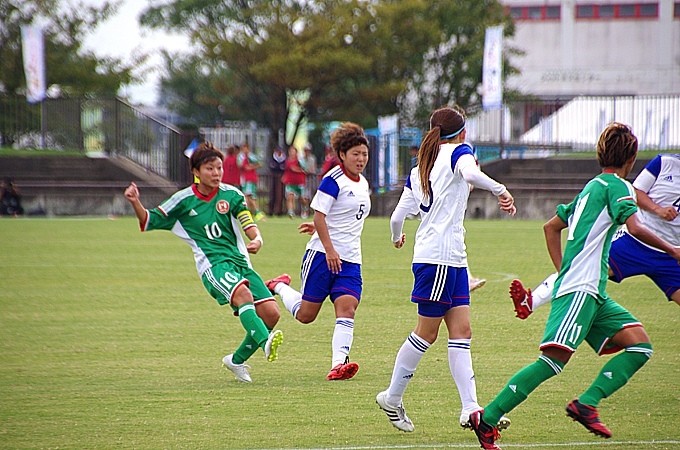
245, 219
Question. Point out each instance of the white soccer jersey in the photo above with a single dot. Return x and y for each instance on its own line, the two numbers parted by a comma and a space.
346, 203
660, 180
440, 238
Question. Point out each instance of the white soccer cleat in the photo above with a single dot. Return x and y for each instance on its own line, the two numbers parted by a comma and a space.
240, 370
273, 342
503, 423
396, 414
476, 283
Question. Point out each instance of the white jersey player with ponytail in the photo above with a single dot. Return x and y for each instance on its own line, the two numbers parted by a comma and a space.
440, 289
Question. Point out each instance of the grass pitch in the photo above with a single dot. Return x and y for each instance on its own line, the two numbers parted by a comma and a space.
108, 340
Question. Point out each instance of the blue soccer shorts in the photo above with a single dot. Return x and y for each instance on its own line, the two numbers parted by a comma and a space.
318, 282
438, 288
629, 257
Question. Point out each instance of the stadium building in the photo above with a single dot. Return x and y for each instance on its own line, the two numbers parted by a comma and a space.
596, 47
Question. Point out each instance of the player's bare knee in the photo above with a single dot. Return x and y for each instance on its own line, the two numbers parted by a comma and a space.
269, 313
676, 297
305, 317
241, 295
558, 354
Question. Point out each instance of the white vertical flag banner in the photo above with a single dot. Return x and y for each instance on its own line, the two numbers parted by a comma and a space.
33, 51
492, 88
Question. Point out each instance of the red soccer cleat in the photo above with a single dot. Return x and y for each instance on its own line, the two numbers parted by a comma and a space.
521, 298
486, 434
588, 417
343, 371
271, 284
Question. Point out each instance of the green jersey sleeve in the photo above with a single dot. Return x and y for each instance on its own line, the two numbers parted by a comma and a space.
564, 211
165, 215
621, 201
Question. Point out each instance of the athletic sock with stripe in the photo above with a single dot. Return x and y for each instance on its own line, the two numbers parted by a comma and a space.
343, 335
408, 357
520, 386
460, 365
616, 373
247, 348
252, 323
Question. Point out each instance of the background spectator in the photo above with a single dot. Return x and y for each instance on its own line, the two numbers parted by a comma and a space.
308, 163
329, 161
294, 183
231, 174
248, 165
10, 199
277, 166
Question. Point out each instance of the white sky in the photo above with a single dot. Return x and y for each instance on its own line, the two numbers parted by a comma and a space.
121, 36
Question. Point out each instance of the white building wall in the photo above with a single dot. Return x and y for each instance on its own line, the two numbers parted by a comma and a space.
572, 56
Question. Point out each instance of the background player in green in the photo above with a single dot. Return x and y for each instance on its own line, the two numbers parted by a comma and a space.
209, 217
581, 309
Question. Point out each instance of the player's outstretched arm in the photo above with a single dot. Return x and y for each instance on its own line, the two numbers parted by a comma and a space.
255, 237
643, 234
668, 213
332, 256
307, 227
553, 239
407, 205
507, 203
132, 194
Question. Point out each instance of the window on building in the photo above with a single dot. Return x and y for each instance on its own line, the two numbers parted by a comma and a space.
676, 11
649, 10
627, 11
619, 11
534, 13
553, 12
606, 11
585, 11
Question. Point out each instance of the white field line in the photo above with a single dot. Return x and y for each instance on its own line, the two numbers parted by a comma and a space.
546, 445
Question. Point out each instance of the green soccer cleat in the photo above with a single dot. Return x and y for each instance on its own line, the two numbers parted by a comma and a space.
273, 342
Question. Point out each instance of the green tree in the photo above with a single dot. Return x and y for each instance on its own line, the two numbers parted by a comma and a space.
336, 59
451, 68
69, 67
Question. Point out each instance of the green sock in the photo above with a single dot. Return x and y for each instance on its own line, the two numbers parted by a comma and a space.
616, 373
520, 386
253, 325
247, 349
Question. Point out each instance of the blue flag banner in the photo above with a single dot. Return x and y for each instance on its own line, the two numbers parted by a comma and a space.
190, 149
492, 87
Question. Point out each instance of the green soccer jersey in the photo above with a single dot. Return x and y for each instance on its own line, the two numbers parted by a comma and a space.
211, 224
604, 204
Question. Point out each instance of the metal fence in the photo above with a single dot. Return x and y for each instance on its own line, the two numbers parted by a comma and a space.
237, 133
520, 129
97, 125
525, 128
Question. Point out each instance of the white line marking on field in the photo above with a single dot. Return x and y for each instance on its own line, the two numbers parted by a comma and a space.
546, 445
506, 277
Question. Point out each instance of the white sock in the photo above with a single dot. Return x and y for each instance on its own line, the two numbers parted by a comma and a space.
460, 364
343, 335
291, 298
543, 292
408, 357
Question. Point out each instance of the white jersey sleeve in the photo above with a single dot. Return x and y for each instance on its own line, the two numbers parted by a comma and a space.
408, 206
660, 180
346, 203
471, 173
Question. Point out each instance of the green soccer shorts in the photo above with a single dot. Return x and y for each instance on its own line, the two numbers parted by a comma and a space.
294, 189
250, 188
580, 316
223, 279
